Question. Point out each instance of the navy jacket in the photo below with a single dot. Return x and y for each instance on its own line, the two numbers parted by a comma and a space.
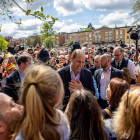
115, 73
92, 69
85, 79
12, 85
123, 64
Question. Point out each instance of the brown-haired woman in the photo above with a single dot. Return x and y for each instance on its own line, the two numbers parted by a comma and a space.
114, 92
128, 76
84, 115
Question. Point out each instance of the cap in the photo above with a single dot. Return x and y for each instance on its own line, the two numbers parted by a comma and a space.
43, 55
10, 66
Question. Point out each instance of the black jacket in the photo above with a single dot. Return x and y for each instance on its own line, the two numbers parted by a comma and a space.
92, 69
115, 73
12, 85
85, 79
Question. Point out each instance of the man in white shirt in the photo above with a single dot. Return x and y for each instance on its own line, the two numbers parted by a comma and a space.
119, 61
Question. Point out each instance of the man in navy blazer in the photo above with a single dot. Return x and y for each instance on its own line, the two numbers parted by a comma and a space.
97, 64
75, 77
103, 77
13, 81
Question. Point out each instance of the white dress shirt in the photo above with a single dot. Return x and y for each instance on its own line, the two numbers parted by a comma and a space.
104, 82
73, 76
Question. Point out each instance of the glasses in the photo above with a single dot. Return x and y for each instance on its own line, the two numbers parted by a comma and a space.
117, 55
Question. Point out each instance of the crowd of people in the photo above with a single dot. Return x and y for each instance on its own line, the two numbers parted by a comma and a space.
78, 93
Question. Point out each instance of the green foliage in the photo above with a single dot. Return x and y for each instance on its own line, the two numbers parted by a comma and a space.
70, 44
85, 29
33, 40
3, 44
6, 10
48, 35
49, 41
135, 10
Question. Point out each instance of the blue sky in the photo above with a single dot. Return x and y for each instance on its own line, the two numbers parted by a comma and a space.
72, 15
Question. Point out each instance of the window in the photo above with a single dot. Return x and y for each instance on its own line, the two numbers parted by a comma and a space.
95, 40
99, 34
109, 33
117, 38
73, 41
81, 41
89, 35
127, 37
70, 37
78, 35
110, 39
106, 33
86, 40
121, 32
95, 34
99, 40
106, 39
73, 36
78, 41
81, 35
86, 35
116, 32
57, 42
121, 37
90, 40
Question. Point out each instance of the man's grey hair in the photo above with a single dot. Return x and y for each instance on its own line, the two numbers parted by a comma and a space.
97, 56
119, 48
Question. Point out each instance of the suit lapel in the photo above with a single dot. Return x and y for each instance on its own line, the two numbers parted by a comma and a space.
17, 77
67, 74
112, 73
82, 75
100, 73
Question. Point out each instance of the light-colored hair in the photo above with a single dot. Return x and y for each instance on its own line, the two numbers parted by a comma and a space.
129, 76
119, 48
41, 85
97, 56
126, 119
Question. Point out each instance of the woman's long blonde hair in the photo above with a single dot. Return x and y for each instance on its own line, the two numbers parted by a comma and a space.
42, 85
126, 119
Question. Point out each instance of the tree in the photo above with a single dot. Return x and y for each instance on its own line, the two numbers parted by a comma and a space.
48, 35
37, 40
29, 42
49, 41
3, 44
135, 10
5, 10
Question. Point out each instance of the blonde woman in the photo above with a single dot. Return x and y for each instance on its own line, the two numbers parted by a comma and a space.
128, 76
42, 91
127, 117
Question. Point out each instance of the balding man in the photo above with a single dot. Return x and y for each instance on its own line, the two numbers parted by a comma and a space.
10, 112
75, 76
103, 77
119, 61
97, 64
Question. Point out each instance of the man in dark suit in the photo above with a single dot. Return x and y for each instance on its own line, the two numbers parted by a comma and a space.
13, 81
103, 77
97, 64
75, 77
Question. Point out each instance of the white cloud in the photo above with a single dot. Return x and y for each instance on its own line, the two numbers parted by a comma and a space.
69, 20
62, 27
26, 29
107, 4
116, 18
67, 7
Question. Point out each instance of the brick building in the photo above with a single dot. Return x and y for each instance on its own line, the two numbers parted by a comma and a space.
81, 37
62, 38
103, 35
